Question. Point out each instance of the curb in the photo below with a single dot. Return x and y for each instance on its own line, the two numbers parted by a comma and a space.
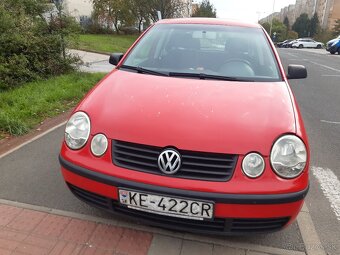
157, 231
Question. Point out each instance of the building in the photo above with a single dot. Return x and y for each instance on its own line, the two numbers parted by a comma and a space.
328, 12
80, 9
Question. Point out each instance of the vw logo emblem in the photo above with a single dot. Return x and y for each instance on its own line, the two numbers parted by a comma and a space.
169, 161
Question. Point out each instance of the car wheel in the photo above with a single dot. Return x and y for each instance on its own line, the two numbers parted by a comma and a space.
300, 46
339, 50
318, 46
332, 52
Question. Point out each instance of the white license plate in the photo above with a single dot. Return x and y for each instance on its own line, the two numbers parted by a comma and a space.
169, 206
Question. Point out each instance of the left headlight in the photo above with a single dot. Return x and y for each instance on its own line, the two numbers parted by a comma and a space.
99, 145
288, 156
77, 130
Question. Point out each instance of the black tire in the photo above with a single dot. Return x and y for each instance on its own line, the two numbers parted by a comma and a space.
318, 46
332, 52
300, 46
339, 50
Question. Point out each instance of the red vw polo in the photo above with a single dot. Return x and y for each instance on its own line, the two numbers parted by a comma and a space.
195, 129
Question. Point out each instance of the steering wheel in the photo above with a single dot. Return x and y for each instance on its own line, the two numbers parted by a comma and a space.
237, 67
238, 60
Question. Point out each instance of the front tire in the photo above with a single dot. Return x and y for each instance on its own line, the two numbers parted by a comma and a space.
339, 50
300, 46
332, 52
318, 46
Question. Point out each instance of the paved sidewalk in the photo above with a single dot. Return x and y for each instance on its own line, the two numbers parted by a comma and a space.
45, 231
93, 62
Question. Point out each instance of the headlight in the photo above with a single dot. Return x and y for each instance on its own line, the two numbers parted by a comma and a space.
253, 165
288, 156
99, 145
77, 130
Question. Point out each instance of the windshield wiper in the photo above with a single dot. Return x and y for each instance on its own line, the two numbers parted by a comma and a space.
143, 70
203, 76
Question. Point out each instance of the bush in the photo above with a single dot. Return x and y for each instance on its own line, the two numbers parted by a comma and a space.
324, 36
32, 42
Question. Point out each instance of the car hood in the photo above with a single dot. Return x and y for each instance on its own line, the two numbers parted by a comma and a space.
332, 41
190, 114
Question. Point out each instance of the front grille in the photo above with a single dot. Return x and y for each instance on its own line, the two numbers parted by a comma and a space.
215, 226
195, 165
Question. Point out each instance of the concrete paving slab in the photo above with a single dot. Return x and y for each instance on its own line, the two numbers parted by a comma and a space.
197, 248
165, 245
223, 250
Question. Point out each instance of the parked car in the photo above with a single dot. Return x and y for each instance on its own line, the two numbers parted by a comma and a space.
188, 135
282, 44
307, 43
289, 44
333, 46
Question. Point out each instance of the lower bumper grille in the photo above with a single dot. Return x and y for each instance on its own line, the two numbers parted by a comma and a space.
216, 226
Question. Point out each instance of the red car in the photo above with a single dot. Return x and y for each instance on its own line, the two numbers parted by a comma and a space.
196, 129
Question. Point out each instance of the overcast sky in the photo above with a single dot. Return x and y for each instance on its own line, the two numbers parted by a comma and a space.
249, 10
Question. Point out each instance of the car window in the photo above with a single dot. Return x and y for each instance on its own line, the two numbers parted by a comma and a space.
227, 51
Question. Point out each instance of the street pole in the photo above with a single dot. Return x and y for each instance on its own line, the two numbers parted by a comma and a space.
271, 21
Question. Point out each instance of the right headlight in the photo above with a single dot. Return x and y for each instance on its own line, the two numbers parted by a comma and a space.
77, 130
288, 156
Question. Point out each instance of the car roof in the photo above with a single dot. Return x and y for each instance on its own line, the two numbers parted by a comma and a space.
209, 21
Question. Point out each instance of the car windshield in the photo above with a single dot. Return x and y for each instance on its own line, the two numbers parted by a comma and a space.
208, 51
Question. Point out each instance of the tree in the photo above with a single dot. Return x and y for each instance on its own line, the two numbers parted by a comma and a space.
168, 8
336, 28
292, 35
112, 13
31, 45
140, 9
302, 25
314, 25
205, 9
266, 26
286, 23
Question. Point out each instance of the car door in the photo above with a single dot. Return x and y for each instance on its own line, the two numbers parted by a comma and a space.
311, 43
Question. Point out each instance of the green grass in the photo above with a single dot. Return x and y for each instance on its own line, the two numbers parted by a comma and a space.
23, 108
105, 43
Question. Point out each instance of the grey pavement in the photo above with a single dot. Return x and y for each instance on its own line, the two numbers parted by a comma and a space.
92, 62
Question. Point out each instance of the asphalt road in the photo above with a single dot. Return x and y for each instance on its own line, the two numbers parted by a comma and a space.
31, 174
319, 99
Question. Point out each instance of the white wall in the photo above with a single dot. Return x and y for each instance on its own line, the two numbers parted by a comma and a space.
77, 8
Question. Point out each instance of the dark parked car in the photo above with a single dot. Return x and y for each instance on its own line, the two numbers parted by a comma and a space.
282, 44
289, 44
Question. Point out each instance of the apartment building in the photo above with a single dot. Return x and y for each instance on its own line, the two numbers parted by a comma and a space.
328, 12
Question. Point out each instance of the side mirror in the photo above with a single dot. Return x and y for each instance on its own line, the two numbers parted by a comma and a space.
115, 58
296, 72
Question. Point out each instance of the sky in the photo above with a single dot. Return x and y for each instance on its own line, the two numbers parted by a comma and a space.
248, 10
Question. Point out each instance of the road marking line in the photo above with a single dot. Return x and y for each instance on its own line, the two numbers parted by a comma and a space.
32, 140
155, 230
330, 122
309, 235
328, 67
330, 186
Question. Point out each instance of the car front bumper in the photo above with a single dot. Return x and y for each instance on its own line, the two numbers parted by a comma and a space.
234, 213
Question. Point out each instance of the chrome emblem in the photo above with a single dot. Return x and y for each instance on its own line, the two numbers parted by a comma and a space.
169, 161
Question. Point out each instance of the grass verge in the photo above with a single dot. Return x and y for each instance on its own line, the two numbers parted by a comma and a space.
25, 107
105, 43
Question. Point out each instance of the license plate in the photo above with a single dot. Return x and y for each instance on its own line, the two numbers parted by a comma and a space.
169, 206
